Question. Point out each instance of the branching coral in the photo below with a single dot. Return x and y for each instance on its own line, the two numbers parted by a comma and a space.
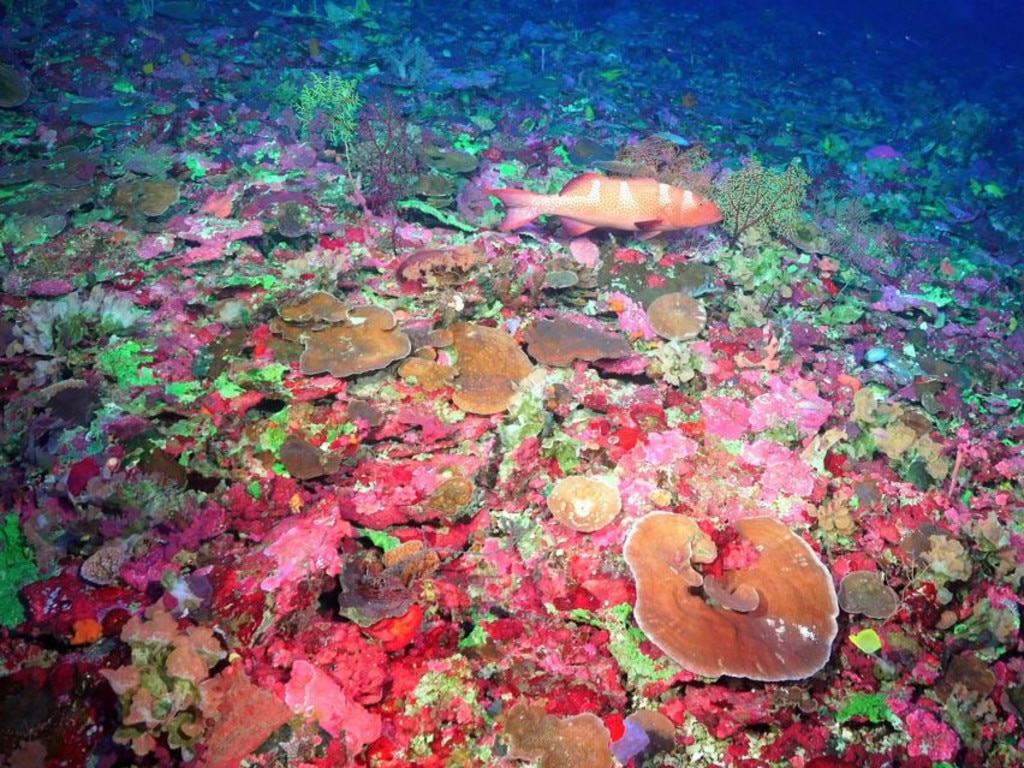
383, 156
327, 108
758, 197
666, 161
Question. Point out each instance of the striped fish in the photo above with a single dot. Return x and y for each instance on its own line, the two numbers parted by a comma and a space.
591, 200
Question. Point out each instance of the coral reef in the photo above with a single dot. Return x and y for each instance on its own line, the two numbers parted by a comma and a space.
304, 461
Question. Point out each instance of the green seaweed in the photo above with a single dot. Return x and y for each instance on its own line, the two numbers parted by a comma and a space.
125, 361
872, 707
17, 568
448, 219
335, 100
624, 645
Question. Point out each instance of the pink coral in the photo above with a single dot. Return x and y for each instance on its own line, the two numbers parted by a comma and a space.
312, 691
784, 471
212, 236
790, 402
584, 251
632, 317
304, 546
725, 417
930, 737
665, 448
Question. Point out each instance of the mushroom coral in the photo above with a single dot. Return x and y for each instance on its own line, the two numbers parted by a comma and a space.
774, 620
585, 504
677, 317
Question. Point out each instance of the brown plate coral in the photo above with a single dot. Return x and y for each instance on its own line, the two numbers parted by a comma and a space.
774, 620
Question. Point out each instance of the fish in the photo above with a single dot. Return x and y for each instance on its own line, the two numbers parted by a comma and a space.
591, 200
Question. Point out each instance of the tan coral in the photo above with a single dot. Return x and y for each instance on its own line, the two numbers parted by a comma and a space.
491, 365
560, 341
677, 317
743, 598
441, 266
581, 741
449, 160
866, 592
410, 561
368, 341
305, 461
317, 307
787, 636
428, 374
434, 186
149, 197
585, 504
103, 567
451, 497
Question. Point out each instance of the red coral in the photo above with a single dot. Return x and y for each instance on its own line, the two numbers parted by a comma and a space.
504, 629
356, 664
312, 691
244, 715
57, 604
238, 602
801, 737
81, 473
725, 712
396, 633
930, 737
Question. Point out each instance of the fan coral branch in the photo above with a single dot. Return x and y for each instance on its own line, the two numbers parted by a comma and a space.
759, 197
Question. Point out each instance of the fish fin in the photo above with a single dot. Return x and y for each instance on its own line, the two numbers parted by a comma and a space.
576, 228
581, 184
521, 206
649, 229
649, 225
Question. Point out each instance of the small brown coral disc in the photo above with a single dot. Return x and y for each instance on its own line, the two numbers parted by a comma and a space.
584, 504
677, 317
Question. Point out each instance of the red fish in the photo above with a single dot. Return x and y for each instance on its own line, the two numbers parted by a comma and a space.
592, 200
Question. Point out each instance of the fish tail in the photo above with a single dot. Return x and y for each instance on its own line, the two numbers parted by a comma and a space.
521, 206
